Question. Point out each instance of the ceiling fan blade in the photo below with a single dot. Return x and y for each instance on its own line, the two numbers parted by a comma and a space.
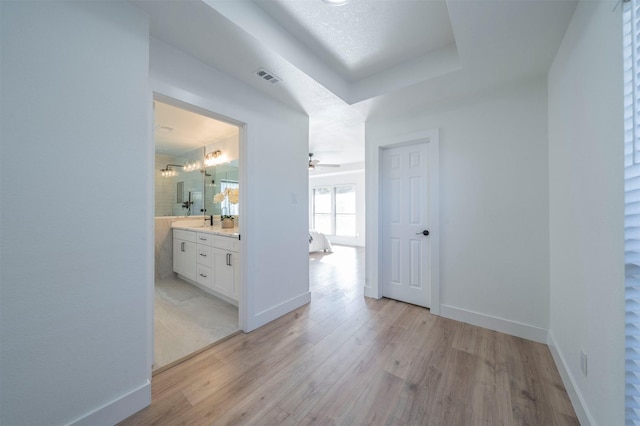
316, 163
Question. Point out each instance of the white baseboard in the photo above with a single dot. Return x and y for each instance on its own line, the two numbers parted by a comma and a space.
502, 325
119, 409
584, 415
369, 292
277, 311
209, 291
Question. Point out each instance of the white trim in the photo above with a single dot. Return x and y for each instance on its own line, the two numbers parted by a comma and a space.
373, 253
151, 237
502, 325
119, 409
210, 291
577, 400
369, 292
243, 311
277, 311
177, 99
434, 214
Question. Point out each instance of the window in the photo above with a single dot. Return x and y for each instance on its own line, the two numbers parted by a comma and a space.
322, 210
232, 184
631, 25
334, 210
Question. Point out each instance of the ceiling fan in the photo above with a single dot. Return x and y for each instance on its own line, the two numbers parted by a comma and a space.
316, 163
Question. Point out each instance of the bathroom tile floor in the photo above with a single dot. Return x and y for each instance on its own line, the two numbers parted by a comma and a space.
187, 319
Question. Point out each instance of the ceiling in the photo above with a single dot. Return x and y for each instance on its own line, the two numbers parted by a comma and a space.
365, 37
346, 64
178, 131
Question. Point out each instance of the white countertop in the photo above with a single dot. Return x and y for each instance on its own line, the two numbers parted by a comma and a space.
215, 229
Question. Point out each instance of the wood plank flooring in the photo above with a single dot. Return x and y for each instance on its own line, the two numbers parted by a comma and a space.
344, 359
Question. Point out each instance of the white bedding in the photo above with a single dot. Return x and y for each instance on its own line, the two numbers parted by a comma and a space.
319, 242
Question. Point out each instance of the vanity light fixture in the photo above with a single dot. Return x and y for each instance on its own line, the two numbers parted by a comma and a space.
213, 158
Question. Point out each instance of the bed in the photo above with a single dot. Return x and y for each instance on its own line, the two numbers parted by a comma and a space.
319, 242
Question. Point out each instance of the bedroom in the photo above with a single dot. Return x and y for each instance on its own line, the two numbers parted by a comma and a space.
329, 189
336, 222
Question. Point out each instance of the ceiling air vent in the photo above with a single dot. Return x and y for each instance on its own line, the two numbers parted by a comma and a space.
267, 76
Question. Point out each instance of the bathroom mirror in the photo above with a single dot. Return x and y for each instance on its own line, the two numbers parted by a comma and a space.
184, 186
219, 178
180, 184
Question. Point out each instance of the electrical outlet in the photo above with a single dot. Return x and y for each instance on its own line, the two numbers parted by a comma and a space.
294, 198
583, 362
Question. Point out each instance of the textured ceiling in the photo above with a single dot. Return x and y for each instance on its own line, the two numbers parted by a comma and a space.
365, 37
348, 64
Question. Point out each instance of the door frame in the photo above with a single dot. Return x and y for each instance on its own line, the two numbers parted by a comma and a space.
373, 250
245, 294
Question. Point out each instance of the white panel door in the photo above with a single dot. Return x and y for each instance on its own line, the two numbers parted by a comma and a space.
404, 223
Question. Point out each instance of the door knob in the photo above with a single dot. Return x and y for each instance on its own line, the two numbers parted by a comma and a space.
425, 232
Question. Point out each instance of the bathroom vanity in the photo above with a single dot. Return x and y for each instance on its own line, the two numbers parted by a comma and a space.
210, 257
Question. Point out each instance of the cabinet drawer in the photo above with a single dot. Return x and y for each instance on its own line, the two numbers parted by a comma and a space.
204, 255
181, 234
204, 276
204, 238
227, 243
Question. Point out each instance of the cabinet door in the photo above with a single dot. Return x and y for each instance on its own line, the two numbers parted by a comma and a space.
235, 263
184, 258
223, 272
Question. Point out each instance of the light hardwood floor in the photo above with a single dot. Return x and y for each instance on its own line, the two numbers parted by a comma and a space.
344, 359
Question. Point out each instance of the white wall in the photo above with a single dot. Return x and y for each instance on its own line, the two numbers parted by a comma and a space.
75, 272
586, 211
494, 244
273, 173
347, 178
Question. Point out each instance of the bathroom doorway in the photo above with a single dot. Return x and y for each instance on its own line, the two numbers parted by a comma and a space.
196, 184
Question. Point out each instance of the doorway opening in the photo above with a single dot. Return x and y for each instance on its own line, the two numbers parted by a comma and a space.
198, 294
336, 233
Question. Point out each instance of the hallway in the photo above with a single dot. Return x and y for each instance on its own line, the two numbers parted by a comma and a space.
346, 359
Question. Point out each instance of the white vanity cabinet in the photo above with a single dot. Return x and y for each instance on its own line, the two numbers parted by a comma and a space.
214, 261
204, 271
223, 253
184, 253
226, 263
